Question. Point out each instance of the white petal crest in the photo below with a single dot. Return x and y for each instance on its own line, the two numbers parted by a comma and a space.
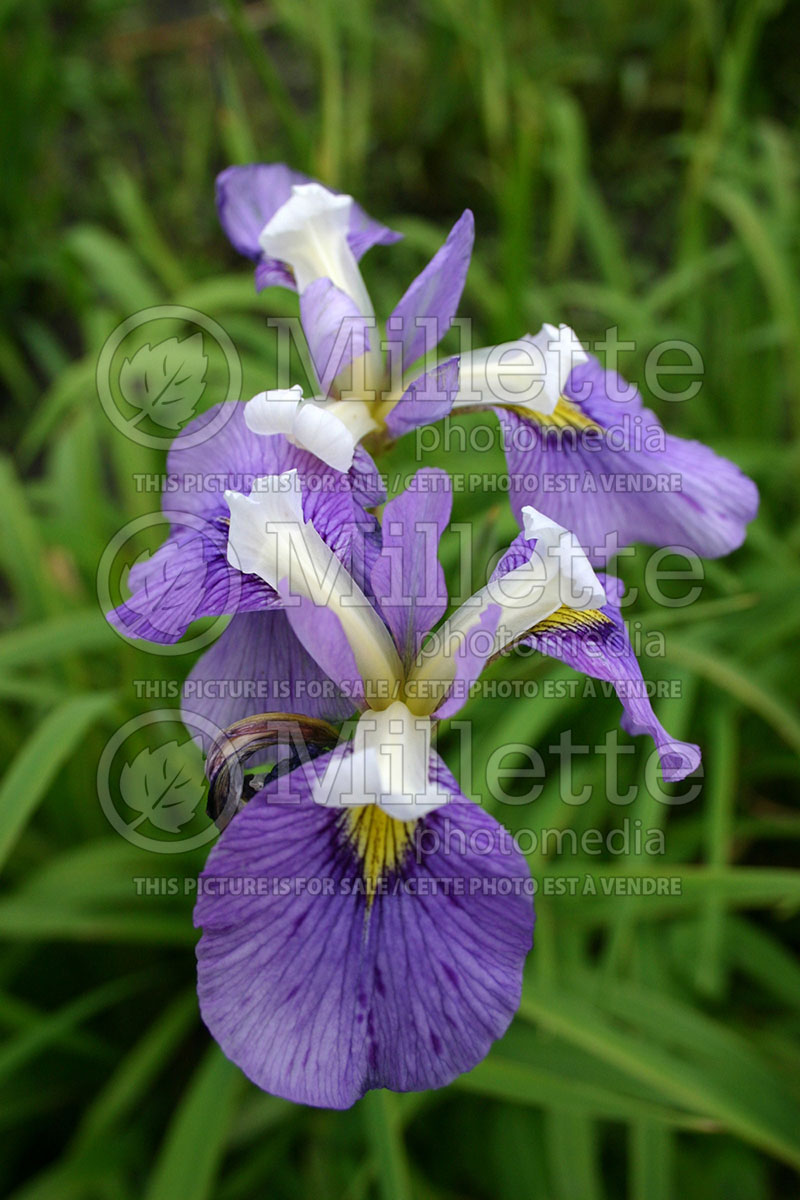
527, 373
269, 537
273, 411
556, 574
309, 232
387, 766
328, 429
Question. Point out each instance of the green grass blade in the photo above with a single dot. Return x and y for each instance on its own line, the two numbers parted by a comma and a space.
194, 1143
38, 762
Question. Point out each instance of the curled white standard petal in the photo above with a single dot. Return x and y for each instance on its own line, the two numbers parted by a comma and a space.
556, 574
579, 587
309, 232
387, 766
330, 430
269, 537
273, 411
317, 427
528, 373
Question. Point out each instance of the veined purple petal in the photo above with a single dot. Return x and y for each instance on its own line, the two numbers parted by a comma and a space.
189, 576
624, 480
597, 644
319, 631
425, 313
427, 399
365, 481
336, 331
407, 579
247, 198
470, 658
517, 553
234, 457
343, 951
185, 579
259, 665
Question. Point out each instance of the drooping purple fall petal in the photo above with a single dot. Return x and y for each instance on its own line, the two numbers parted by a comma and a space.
343, 950
596, 643
612, 474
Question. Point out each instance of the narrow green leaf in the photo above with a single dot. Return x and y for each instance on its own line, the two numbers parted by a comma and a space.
382, 1124
651, 1159
720, 795
572, 1156
53, 1027
67, 634
194, 1143
740, 684
22, 553
704, 1087
37, 763
128, 1085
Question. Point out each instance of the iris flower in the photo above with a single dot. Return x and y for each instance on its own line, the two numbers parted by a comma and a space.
301, 234
579, 444
365, 924
189, 576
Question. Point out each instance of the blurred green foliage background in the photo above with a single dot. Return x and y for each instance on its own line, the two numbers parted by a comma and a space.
631, 165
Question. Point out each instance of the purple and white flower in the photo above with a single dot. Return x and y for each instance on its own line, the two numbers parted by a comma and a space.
249, 197
579, 444
364, 924
362, 390
190, 575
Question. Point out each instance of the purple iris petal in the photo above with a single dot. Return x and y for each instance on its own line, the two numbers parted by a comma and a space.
365, 232
249, 196
319, 630
433, 296
365, 480
628, 480
233, 457
258, 665
407, 579
318, 992
427, 399
516, 555
604, 652
470, 659
189, 576
336, 331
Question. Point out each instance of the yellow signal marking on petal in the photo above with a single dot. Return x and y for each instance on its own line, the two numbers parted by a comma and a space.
380, 841
573, 620
566, 415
